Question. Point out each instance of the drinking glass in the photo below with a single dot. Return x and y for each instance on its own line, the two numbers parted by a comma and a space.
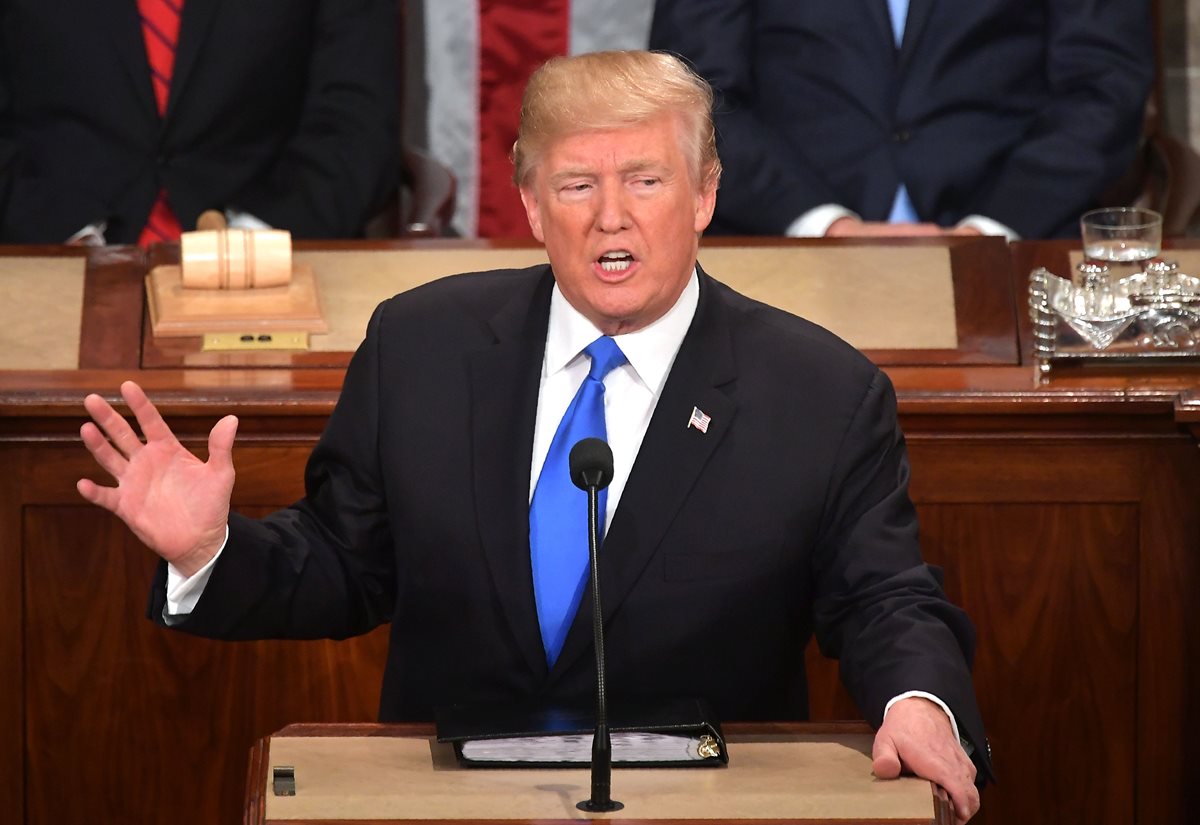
1124, 239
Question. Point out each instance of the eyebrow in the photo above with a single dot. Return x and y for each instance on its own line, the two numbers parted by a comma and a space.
641, 165
631, 166
569, 173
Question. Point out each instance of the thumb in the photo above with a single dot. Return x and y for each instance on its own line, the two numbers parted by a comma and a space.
220, 443
885, 759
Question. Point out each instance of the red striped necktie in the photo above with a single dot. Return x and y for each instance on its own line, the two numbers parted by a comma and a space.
160, 30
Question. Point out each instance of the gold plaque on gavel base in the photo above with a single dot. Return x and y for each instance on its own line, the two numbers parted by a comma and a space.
234, 280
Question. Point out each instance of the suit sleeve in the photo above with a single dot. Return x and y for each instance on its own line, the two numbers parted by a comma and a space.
1099, 66
340, 165
324, 567
766, 184
878, 607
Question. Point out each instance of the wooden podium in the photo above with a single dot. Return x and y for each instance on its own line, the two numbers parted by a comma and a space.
798, 773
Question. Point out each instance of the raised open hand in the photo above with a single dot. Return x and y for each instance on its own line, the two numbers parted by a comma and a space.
175, 503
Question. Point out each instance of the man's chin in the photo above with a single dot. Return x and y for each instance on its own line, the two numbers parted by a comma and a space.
616, 319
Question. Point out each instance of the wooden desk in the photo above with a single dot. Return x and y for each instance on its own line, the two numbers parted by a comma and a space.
1065, 516
799, 773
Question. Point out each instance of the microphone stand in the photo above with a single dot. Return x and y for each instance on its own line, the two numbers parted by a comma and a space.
601, 799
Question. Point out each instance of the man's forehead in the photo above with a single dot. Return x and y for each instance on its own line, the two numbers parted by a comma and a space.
626, 148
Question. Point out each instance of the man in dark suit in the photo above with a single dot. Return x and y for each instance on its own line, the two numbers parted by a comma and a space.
282, 110
996, 116
760, 486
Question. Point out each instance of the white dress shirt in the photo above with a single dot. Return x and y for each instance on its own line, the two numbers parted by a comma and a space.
631, 391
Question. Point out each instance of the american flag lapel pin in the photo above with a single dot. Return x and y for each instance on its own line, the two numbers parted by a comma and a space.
699, 420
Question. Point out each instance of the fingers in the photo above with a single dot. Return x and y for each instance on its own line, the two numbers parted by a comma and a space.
885, 761
915, 230
106, 497
148, 417
959, 782
956, 774
954, 781
852, 227
108, 458
965, 801
220, 443
113, 425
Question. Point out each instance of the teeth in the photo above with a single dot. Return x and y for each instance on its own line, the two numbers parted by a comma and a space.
617, 261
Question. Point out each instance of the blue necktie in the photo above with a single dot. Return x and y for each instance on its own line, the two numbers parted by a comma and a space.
898, 9
558, 521
902, 208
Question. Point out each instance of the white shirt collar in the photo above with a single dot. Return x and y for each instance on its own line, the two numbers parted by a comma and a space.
650, 350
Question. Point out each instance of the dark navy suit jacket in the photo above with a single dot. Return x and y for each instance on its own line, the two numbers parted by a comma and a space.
1019, 110
286, 109
728, 550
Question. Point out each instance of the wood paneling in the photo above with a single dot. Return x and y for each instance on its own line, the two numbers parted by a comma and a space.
1168, 660
1052, 590
12, 660
136, 720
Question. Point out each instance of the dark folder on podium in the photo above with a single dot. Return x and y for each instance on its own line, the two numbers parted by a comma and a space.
675, 733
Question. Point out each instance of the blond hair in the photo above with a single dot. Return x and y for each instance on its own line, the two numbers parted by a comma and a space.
607, 90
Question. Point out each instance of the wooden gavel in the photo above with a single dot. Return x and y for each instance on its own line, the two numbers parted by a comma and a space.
216, 257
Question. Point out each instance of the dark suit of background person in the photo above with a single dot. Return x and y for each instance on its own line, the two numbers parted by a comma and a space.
725, 551
1021, 111
286, 109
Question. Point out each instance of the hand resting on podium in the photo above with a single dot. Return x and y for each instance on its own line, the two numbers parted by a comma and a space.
916, 738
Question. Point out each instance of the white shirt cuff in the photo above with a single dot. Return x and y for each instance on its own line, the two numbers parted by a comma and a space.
183, 592
237, 219
816, 222
90, 235
988, 227
920, 694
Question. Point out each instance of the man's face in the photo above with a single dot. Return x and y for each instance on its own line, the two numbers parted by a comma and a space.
620, 216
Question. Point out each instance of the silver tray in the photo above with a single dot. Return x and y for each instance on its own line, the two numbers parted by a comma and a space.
1151, 314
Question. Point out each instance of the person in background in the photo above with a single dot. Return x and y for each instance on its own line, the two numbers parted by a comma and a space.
916, 117
121, 121
760, 486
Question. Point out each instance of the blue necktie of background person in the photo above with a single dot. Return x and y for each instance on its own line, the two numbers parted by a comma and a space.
902, 208
558, 521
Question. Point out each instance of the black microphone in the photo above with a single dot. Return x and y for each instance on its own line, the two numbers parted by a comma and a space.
591, 465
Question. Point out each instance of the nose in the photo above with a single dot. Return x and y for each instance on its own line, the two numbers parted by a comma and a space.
612, 213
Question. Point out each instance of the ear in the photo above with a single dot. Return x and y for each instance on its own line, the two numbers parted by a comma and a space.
533, 213
706, 202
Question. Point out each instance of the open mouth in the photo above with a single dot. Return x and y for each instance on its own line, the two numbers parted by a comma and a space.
616, 261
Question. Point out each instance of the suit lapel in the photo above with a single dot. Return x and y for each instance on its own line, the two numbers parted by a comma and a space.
125, 28
194, 27
918, 16
671, 458
504, 391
